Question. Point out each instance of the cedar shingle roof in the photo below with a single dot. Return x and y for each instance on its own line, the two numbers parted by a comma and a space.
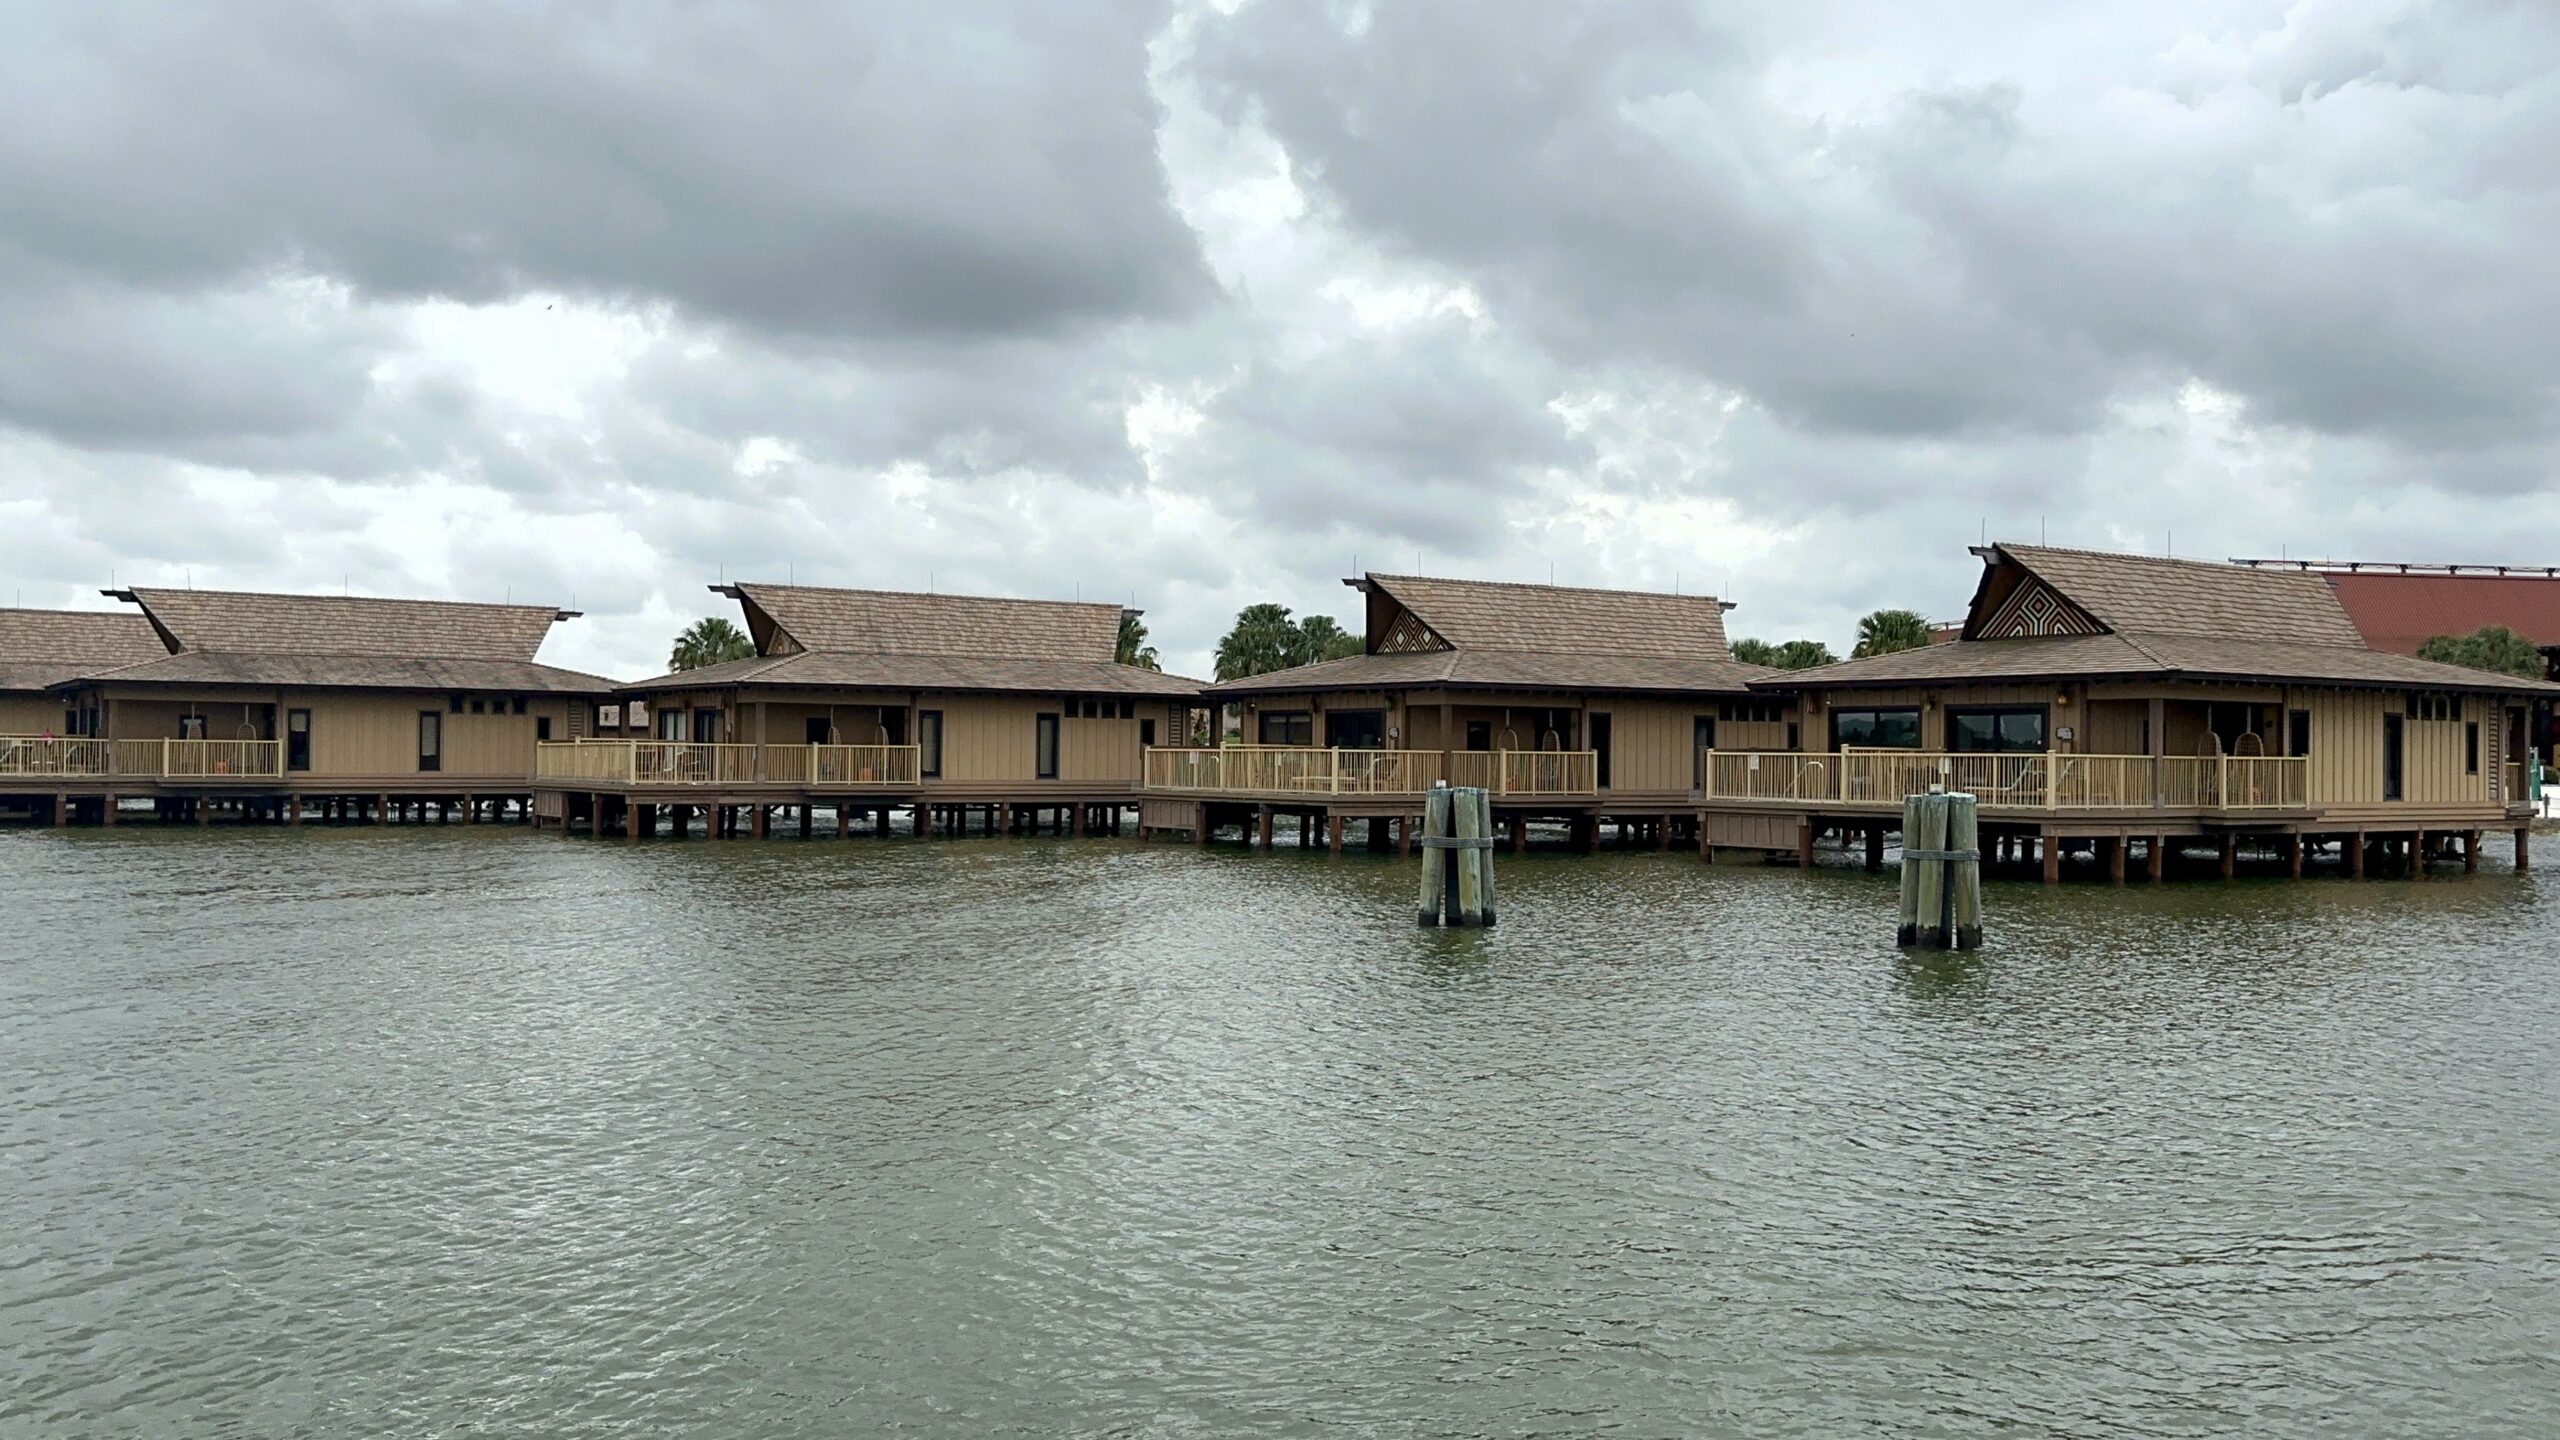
1562, 619
243, 623
900, 640
838, 671
358, 672
1536, 637
895, 622
2152, 595
42, 648
2167, 618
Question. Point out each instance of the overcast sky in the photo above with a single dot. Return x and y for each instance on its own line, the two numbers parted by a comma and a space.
594, 305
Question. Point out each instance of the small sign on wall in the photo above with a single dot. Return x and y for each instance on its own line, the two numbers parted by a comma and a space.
2062, 733
608, 717
635, 716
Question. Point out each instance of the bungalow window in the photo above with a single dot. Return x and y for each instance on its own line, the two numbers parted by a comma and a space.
929, 744
430, 741
2297, 732
456, 703
1288, 727
541, 727
297, 739
479, 706
1753, 712
1045, 733
1702, 738
2425, 705
2471, 748
1894, 729
518, 705
1355, 729
2002, 729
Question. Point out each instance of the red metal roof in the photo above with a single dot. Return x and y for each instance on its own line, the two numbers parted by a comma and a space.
2400, 612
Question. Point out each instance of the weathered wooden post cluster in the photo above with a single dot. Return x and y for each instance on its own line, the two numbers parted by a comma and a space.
1457, 857
1941, 872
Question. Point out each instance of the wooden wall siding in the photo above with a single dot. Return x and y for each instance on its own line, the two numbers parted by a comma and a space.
30, 715
1652, 742
2113, 727
359, 734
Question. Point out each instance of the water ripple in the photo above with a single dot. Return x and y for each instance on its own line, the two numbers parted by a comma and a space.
478, 1132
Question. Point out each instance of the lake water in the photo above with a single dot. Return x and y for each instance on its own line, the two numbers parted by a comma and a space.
474, 1131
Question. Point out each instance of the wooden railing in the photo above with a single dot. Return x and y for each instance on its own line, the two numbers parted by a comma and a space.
2010, 781
1305, 770
1295, 770
655, 762
54, 755
1527, 773
141, 759
221, 759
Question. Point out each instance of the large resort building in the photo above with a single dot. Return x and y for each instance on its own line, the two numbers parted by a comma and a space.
270, 705
2096, 702
1567, 704
2103, 708
953, 708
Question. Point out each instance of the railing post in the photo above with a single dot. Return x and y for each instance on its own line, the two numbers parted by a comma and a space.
2052, 777
2222, 782
164, 755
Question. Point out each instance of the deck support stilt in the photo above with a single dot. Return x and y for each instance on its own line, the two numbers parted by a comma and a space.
2355, 855
2115, 858
1804, 844
1875, 849
2293, 854
1333, 834
2230, 856
2524, 849
2052, 845
1519, 835
2470, 852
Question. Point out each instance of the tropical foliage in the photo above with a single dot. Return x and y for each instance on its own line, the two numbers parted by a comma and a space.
2493, 648
1883, 632
709, 641
1791, 655
1134, 649
1266, 638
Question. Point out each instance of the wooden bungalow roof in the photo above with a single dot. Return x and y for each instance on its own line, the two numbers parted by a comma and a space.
1484, 634
813, 637
828, 670
42, 648
234, 622
1559, 619
2044, 613
238, 638
896, 622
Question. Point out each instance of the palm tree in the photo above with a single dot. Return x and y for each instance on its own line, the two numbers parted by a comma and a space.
1260, 643
1134, 649
1321, 638
1803, 655
1755, 652
1885, 631
709, 641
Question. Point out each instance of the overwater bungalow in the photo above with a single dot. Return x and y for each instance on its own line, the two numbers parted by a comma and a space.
265, 706
1014, 713
1578, 705
2102, 701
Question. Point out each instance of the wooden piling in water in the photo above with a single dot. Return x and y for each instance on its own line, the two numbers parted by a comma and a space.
1941, 872
1435, 858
